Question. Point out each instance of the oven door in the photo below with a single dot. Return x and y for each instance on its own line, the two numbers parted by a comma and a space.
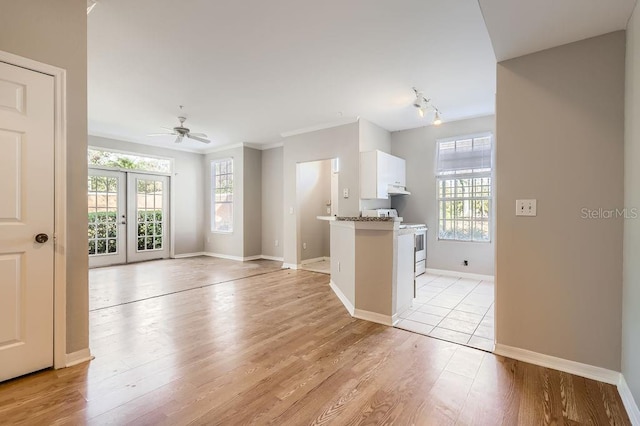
421, 247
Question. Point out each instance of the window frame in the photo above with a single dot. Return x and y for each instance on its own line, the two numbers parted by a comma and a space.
213, 176
455, 175
134, 154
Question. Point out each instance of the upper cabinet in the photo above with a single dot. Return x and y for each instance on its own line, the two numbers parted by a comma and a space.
381, 175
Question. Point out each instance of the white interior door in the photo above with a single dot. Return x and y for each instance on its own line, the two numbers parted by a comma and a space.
106, 204
148, 217
26, 220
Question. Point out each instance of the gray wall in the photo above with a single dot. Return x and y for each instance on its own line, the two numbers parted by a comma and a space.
56, 33
313, 193
560, 122
272, 202
229, 244
188, 187
341, 142
373, 137
252, 195
418, 148
631, 266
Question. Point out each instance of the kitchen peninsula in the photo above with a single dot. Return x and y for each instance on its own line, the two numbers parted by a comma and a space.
372, 266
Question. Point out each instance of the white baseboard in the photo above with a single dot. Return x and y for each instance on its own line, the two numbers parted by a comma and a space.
230, 257
290, 266
78, 357
345, 301
561, 364
184, 255
250, 258
460, 274
317, 259
628, 401
277, 259
373, 317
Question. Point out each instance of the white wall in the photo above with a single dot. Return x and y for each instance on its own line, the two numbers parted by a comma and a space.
337, 142
313, 194
55, 33
272, 202
187, 185
560, 139
631, 266
418, 148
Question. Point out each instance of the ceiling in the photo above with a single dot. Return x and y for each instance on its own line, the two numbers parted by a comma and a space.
249, 70
521, 27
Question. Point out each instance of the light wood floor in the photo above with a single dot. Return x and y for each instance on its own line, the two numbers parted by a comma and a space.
279, 348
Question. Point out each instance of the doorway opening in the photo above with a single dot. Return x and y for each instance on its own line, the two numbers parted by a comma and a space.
128, 210
317, 199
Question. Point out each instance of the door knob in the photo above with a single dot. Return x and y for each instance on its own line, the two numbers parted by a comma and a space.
42, 238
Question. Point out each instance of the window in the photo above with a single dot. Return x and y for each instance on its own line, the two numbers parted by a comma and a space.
463, 175
118, 160
222, 195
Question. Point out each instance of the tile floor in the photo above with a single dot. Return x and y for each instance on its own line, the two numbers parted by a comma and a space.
322, 266
456, 309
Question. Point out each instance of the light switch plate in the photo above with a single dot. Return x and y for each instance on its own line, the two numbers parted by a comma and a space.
526, 207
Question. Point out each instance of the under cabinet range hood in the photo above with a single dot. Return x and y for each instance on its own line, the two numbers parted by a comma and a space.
397, 190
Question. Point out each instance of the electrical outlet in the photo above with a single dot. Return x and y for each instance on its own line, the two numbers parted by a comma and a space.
304, 246
526, 207
276, 243
345, 193
291, 210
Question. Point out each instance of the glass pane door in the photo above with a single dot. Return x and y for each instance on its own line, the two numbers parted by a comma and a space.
105, 208
148, 210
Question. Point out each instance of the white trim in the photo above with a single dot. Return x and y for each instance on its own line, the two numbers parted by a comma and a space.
270, 146
230, 257
185, 255
561, 364
290, 266
314, 260
322, 126
468, 275
395, 319
60, 200
345, 301
223, 148
78, 357
628, 401
250, 258
146, 142
373, 317
267, 257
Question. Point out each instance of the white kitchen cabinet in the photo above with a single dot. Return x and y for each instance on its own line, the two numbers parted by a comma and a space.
378, 170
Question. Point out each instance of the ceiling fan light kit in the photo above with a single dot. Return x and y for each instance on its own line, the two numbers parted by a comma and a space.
423, 104
180, 132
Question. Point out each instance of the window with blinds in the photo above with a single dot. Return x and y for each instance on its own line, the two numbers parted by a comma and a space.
464, 188
222, 195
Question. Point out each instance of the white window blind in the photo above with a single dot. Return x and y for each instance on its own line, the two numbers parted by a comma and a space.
462, 156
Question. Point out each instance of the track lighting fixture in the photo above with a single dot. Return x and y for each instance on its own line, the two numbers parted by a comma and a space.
423, 105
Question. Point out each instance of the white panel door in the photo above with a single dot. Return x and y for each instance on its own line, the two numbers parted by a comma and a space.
26, 220
106, 205
148, 217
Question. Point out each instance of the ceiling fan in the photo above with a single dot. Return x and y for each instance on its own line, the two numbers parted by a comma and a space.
180, 132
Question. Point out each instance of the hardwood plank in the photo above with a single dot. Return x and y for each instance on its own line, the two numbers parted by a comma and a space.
222, 342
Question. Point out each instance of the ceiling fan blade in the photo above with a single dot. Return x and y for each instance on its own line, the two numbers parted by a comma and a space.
200, 135
161, 134
198, 138
179, 139
168, 128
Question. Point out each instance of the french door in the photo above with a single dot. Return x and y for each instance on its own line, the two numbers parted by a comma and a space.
128, 217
